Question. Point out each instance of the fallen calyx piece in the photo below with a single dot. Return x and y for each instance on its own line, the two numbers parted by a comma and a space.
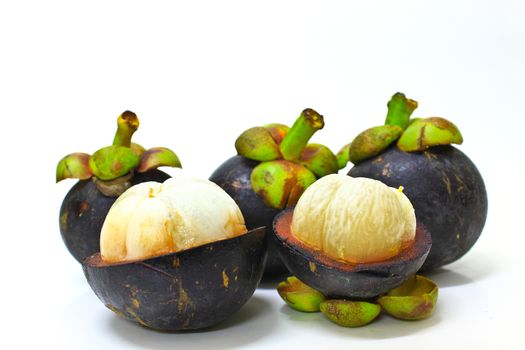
351, 237
176, 255
152, 219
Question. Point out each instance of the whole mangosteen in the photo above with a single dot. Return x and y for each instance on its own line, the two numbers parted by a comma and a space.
274, 165
351, 238
443, 184
103, 176
176, 256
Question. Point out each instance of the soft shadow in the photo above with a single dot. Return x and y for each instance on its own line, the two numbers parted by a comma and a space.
255, 320
271, 281
448, 278
469, 269
298, 316
383, 327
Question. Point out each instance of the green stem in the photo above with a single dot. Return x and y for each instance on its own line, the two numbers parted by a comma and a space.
127, 124
304, 127
400, 109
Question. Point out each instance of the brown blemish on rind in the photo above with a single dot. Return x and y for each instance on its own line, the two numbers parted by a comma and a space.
82, 208
225, 279
386, 170
135, 303
63, 221
312, 266
175, 262
461, 185
446, 180
136, 317
378, 159
184, 300
116, 311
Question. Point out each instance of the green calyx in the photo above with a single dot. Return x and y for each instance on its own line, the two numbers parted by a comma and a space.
412, 135
74, 165
117, 160
289, 164
373, 141
299, 296
280, 183
349, 313
425, 133
415, 299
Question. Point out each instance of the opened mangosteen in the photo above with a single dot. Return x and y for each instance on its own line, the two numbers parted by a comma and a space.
443, 184
103, 176
176, 256
274, 165
351, 238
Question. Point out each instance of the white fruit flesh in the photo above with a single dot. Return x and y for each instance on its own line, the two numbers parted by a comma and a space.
357, 220
151, 219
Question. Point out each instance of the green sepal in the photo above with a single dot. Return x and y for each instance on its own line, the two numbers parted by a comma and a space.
415, 299
74, 166
258, 144
278, 131
137, 149
319, 159
111, 162
373, 141
343, 156
299, 296
348, 313
425, 133
400, 109
156, 157
280, 183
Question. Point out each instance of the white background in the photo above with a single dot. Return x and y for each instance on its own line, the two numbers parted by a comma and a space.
198, 73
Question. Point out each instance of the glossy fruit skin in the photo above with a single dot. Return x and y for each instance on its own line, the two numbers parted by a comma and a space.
191, 289
446, 190
233, 176
83, 212
340, 280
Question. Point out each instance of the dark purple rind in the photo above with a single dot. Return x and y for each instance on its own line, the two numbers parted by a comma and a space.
339, 280
233, 176
446, 190
192, 289
84, 210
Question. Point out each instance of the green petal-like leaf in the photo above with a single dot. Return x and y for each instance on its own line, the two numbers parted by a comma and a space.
415, 299
319, 159
299, 296
373, 141
137, 149
156, 157
343, 156
111, 162
349, 313
280, 183
278, 131
425, 133
74, 166
257, 144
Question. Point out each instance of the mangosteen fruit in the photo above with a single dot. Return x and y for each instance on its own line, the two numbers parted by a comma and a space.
443, 184
103, 176
274, 165
176, 256
351, 238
